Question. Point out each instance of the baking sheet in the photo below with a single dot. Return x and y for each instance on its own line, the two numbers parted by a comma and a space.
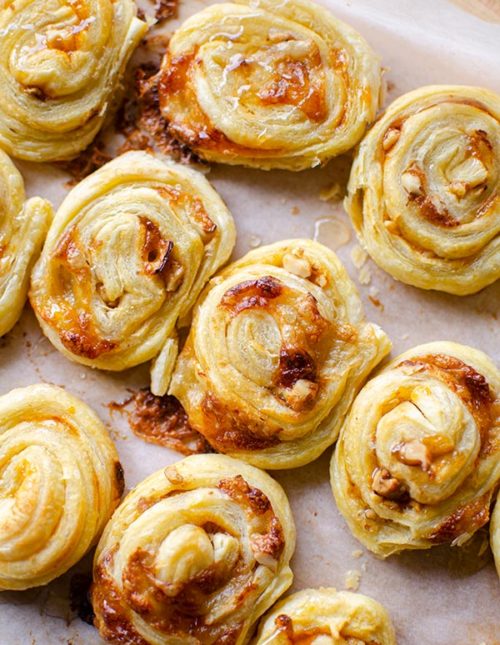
435, 597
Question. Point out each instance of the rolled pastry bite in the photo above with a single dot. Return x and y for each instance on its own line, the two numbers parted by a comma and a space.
268, 85
23, 226
495, 533
60, 481
60, 72
196, 553
278, 348
326, 616
424, 191
128, 252
418, 459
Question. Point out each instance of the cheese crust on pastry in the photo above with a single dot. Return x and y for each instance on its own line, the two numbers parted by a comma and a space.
268, 84
495, 533
60, 481
61, 63
127, 254
195, 554
278, 348
418, 459
23, 226
424, 191
326, 616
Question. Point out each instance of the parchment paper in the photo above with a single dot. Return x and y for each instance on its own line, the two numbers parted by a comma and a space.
435, 597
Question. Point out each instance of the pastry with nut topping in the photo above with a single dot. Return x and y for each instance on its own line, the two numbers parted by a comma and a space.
61, 67
126, 256
326, 616
60, 481
424, 191
418, 459
278, 348
268, 84
195, 554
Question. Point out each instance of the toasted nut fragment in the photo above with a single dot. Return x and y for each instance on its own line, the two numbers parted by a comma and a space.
390, 138
411, 183
297, 266
414, 453
301, 394
385, 485
458, 188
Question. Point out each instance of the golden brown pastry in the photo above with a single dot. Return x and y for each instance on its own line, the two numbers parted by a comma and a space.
418, 459
60, 480
61, 63
23, 226
268, 84
424, 191
194, 555
326, 617
495, 533
128, 252
278, 348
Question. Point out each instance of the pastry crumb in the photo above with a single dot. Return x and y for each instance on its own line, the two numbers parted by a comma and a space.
254, 241
358, 256
333, 193
365, 275
352, 580
357, 553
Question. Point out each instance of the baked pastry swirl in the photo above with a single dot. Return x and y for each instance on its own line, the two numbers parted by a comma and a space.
23, 226
326, 617
495, 533
61, 63
60, 480
424, 191
417, 460
278, 348
195, 554
268, 84
128, 252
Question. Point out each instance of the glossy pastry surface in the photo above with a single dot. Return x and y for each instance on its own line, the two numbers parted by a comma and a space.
195, 554
418, 459
424, 191
326, 617
268, 84
23, 226
61, 63
278, 348
60, 480
128, 252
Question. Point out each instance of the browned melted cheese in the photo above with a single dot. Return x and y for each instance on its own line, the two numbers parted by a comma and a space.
161, 420
252, 294
73, 284
178, 612
285, 627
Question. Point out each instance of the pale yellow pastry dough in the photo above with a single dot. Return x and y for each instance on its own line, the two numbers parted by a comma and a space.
424, 191
23, 226
60, 480
195, 554
326, 616
268, 84
61, 63
128, 252
278, 348
418, 459
495, 533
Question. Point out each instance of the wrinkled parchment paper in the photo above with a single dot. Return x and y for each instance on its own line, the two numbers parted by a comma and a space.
437, 597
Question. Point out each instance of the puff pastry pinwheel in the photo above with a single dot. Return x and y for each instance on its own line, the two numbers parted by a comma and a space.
495, 533
277, 350
424, 191
326, 617
195, 554
418, 459
23, 226
127, 254
60, 480
268, 84
61, 63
